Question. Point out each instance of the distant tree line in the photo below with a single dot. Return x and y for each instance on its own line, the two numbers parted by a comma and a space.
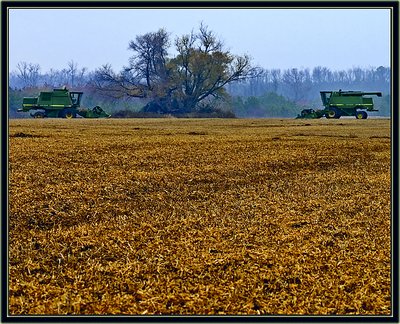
300, 84
202, 79
28, 75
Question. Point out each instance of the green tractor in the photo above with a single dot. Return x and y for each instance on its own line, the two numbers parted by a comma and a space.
60, 103
342, 103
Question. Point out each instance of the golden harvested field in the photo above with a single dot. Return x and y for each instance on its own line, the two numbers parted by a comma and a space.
179, 216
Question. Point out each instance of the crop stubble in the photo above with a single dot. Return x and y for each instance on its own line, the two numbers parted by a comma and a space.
172, 216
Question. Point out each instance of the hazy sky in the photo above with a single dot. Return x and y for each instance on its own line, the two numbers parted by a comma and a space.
274, 38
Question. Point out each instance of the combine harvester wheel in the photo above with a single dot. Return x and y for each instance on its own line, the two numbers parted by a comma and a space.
333, 113
361, 115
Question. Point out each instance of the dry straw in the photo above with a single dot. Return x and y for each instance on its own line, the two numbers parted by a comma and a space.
199, 217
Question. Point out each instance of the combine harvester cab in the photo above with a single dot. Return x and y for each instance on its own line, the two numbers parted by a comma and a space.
59, 103
343, 103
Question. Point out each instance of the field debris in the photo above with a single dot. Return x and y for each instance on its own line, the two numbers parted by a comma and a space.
246, 220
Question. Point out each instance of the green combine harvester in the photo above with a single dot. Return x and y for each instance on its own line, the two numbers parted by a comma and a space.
60, 103
342, 103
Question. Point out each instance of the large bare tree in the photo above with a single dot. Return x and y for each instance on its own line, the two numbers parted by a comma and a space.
199, 71
146, 73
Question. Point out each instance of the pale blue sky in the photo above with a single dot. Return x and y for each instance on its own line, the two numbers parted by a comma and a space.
274, 38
